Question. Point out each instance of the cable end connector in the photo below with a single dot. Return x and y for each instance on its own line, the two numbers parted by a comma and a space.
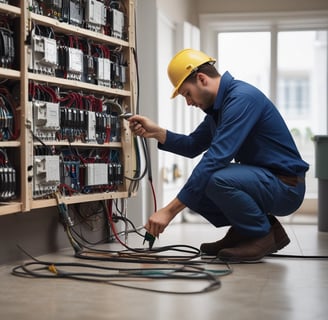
63, 212
150, 238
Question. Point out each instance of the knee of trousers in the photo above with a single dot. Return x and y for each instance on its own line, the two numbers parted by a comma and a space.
218, 187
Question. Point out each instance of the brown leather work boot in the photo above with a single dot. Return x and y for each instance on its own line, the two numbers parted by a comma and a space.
250, 250
231, 239
280, 236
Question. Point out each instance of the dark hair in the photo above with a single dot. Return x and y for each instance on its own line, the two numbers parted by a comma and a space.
206, 68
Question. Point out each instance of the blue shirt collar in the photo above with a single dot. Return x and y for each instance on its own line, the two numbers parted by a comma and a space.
224, 84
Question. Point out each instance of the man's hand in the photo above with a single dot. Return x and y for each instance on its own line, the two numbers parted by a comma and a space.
160, 219
144, 127
157, 222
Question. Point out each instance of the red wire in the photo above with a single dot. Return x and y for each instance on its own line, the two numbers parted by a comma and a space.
111, 222
154, 194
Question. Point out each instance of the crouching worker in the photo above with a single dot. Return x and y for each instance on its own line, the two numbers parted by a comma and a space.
250, 171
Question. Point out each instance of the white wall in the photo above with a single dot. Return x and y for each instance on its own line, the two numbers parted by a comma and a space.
179, 10
159, 37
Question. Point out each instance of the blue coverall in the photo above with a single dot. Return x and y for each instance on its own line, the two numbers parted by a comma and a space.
247, 146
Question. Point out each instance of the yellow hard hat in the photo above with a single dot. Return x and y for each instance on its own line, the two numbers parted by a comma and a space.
183, 64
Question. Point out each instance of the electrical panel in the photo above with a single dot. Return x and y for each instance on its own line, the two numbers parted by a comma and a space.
76, 58
61, 128
102, 16
76, 171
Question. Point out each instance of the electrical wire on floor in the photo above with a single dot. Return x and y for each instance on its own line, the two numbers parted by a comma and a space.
181, 268
130, 254
116, 276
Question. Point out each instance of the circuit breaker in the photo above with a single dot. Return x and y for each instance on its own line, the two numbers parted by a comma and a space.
46, 174
117, 22
46, 121
95, 15
96, 174
43, 54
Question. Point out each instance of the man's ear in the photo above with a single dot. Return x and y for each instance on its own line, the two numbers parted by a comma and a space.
202, 78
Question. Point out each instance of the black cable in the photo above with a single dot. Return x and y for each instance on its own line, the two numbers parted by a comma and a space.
45, 269
41, 141
277, 255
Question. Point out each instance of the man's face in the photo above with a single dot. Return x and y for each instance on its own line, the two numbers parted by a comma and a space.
198, 93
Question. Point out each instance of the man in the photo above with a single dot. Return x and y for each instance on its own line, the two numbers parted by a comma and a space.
251, 170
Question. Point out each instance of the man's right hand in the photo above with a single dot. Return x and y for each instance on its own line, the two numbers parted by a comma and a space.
146, 128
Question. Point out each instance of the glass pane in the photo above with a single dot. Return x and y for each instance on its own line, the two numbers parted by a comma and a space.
246, 55
301, 90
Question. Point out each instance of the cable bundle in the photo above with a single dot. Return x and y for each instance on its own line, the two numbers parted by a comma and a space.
7, 49
8, 118
118, 276
181, 269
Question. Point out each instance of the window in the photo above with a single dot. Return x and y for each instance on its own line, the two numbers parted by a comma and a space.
246, 55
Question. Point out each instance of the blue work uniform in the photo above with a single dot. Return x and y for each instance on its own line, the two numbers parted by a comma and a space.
250, 167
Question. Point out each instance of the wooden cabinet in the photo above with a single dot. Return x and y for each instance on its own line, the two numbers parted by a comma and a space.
72, 77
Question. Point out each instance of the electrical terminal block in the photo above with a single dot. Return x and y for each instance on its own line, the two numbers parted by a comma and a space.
52, 8
70, 174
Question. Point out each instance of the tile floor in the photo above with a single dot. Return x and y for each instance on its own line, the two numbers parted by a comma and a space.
276, 288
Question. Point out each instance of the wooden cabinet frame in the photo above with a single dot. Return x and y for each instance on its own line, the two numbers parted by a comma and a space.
25, 143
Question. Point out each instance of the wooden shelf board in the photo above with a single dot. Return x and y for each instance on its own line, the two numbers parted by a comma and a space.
10, 207
65, 27
7, 8
77, 84
37, 204
9, 144
81, 144
9, 73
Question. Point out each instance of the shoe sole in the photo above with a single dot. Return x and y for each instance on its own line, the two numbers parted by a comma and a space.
257, 259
